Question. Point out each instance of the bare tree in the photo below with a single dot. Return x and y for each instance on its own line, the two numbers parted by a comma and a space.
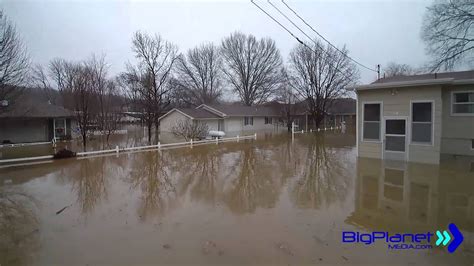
319, 75
14, 60
189, 129
107, 96
199, 75
448, 32
82, 96
82, 87
287, 97
147, 83
394, 69
251, 66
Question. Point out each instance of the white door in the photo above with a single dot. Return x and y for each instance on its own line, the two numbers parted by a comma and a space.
395, 139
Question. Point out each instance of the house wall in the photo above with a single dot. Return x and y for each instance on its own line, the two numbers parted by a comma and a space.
233, 124
399, 104
24, 130
169, 121
458, 131
212, 124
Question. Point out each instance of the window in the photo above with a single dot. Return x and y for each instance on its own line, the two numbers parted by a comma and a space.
422, 122
371, 127
268, 120
248, 121
463, 103
472, 144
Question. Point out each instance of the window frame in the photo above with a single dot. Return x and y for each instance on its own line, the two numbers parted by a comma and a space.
452, 103
249, 121
381, 128
433, 108
268, 120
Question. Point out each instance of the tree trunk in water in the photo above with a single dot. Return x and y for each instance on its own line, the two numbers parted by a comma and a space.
84, 141
149, 132
157, 132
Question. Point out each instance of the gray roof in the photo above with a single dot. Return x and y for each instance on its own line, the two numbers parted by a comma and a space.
243, 110
29, 105
460, 75
342, 106
198, 113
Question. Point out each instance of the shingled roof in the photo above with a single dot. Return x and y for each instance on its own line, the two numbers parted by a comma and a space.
437, 79
460, 75
198, 113
31, 106
342, 106
243, 110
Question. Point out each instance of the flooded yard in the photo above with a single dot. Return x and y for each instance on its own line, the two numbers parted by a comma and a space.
265, 202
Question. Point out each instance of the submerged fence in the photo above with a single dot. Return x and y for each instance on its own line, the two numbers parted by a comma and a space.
293, 131
118, 150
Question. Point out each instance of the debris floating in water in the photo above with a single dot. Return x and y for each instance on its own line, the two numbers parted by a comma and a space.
64, 208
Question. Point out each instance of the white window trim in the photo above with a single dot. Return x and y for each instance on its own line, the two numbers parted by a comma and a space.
433, 109
407, 135
380, 122
452, 103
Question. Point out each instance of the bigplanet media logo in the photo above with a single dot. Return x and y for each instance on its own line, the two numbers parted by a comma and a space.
407, 240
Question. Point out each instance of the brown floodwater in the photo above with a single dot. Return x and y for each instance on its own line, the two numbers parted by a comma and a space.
264, 202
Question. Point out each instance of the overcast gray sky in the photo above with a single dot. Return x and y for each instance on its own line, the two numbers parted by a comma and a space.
375, 32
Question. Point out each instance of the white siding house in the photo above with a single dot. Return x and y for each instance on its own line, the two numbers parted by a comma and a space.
232, 119
416, 118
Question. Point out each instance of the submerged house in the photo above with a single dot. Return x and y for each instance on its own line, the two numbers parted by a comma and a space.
232, 119
416, 118
30, 118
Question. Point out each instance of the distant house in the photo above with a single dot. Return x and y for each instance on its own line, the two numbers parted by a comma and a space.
343, 110
339, 110
231, 119
416, 118
33, 119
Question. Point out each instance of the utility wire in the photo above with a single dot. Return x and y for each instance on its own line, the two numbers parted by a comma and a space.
294, 36
322, 37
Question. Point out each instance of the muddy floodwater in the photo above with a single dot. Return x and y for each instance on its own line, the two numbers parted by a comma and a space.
265, 202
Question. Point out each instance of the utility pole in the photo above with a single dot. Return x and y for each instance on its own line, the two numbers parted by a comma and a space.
378, 71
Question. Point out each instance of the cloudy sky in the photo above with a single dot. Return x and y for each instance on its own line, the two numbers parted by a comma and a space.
375, 32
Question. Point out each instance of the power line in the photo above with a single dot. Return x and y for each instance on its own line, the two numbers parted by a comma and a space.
294, 36
322, 37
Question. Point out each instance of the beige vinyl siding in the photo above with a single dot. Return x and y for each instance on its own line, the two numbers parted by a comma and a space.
212, 124
370, 150
167, 122
458, 131
233, 124
397, 104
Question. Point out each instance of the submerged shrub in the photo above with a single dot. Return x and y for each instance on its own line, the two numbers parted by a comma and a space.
64, 153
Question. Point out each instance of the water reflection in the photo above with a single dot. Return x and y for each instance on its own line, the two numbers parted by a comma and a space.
401, 197
89, 181
19, 233
150, 173
257, 201
325, 175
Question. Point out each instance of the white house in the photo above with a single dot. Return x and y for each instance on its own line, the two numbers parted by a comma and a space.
232, 119
416, 118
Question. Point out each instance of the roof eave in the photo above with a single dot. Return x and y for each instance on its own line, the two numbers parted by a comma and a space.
402, 84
